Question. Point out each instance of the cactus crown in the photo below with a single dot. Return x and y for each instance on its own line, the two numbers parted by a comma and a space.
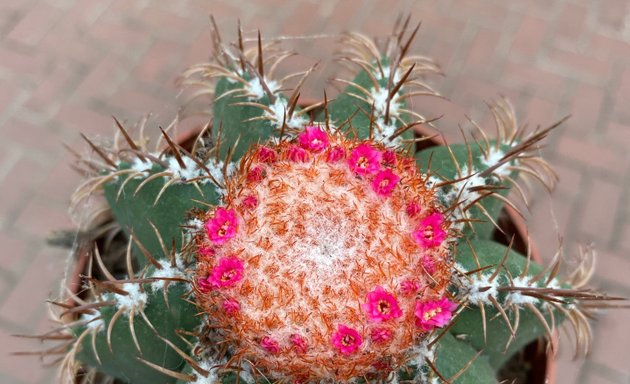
287, 244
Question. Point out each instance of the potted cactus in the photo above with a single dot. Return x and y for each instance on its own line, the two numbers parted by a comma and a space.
286, 245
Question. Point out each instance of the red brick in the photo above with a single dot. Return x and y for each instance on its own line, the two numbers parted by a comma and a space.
161, 64
625, 236
612, 13
123, 38
600, 213
53, 90
608, 48
570, 22
35, 24
79, 119
105, 77
489, 14
618, 136
482, 54
20, 369
592, 155
536, 81
21, 180
585, 109
40, 281
580, 65
15, 250
529, 38
41, 142
28, 65
611, 337
134, 104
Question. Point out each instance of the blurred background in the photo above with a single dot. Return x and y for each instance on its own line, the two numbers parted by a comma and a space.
67, 66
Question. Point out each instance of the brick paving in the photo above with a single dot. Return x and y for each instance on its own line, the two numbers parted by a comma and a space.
67, 65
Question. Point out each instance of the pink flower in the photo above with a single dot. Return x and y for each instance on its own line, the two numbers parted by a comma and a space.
313, 139
266, 155
231, 306
270, 345
428, 264
250, 202
365, 160
385, 182
434, 313
430, 233
299, 343
389, 157
204, 284
409, 287
381, 335
412, 209
255, 174
347, 340
381, 305
297, 154
222, 226
206, 252
228, 272
335, 154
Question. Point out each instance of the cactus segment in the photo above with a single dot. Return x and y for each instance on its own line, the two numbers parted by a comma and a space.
502, 332
132, 312
157, 207
459, 363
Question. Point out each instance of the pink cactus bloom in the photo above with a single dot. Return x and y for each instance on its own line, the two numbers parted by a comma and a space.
412, 209
223, 226
434, 313
297, 154
299, 343
409, 287
384, 182
206, 252
231, 306
430, 233
428, 264
227, 272
381, 335
381, 305
267, 155
255, 174
250, 202
313, 139
347, 340
365, 160
204, 285
335, 154
270, 345
389, 158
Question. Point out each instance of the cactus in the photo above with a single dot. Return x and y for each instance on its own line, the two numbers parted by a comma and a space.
283, 248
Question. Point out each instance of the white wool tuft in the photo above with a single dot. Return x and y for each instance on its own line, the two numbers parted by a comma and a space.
168, 271
190, 171
480, 288
384, 131
386, 72
278, 113
494, 156
212, 366
135, 298
379, 99
140, 165
255, 89
93, 320
518, 298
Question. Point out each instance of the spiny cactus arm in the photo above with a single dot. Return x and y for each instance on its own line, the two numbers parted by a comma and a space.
248, 104
153, 208
134, 332
476, 178
518, 300
374, 103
